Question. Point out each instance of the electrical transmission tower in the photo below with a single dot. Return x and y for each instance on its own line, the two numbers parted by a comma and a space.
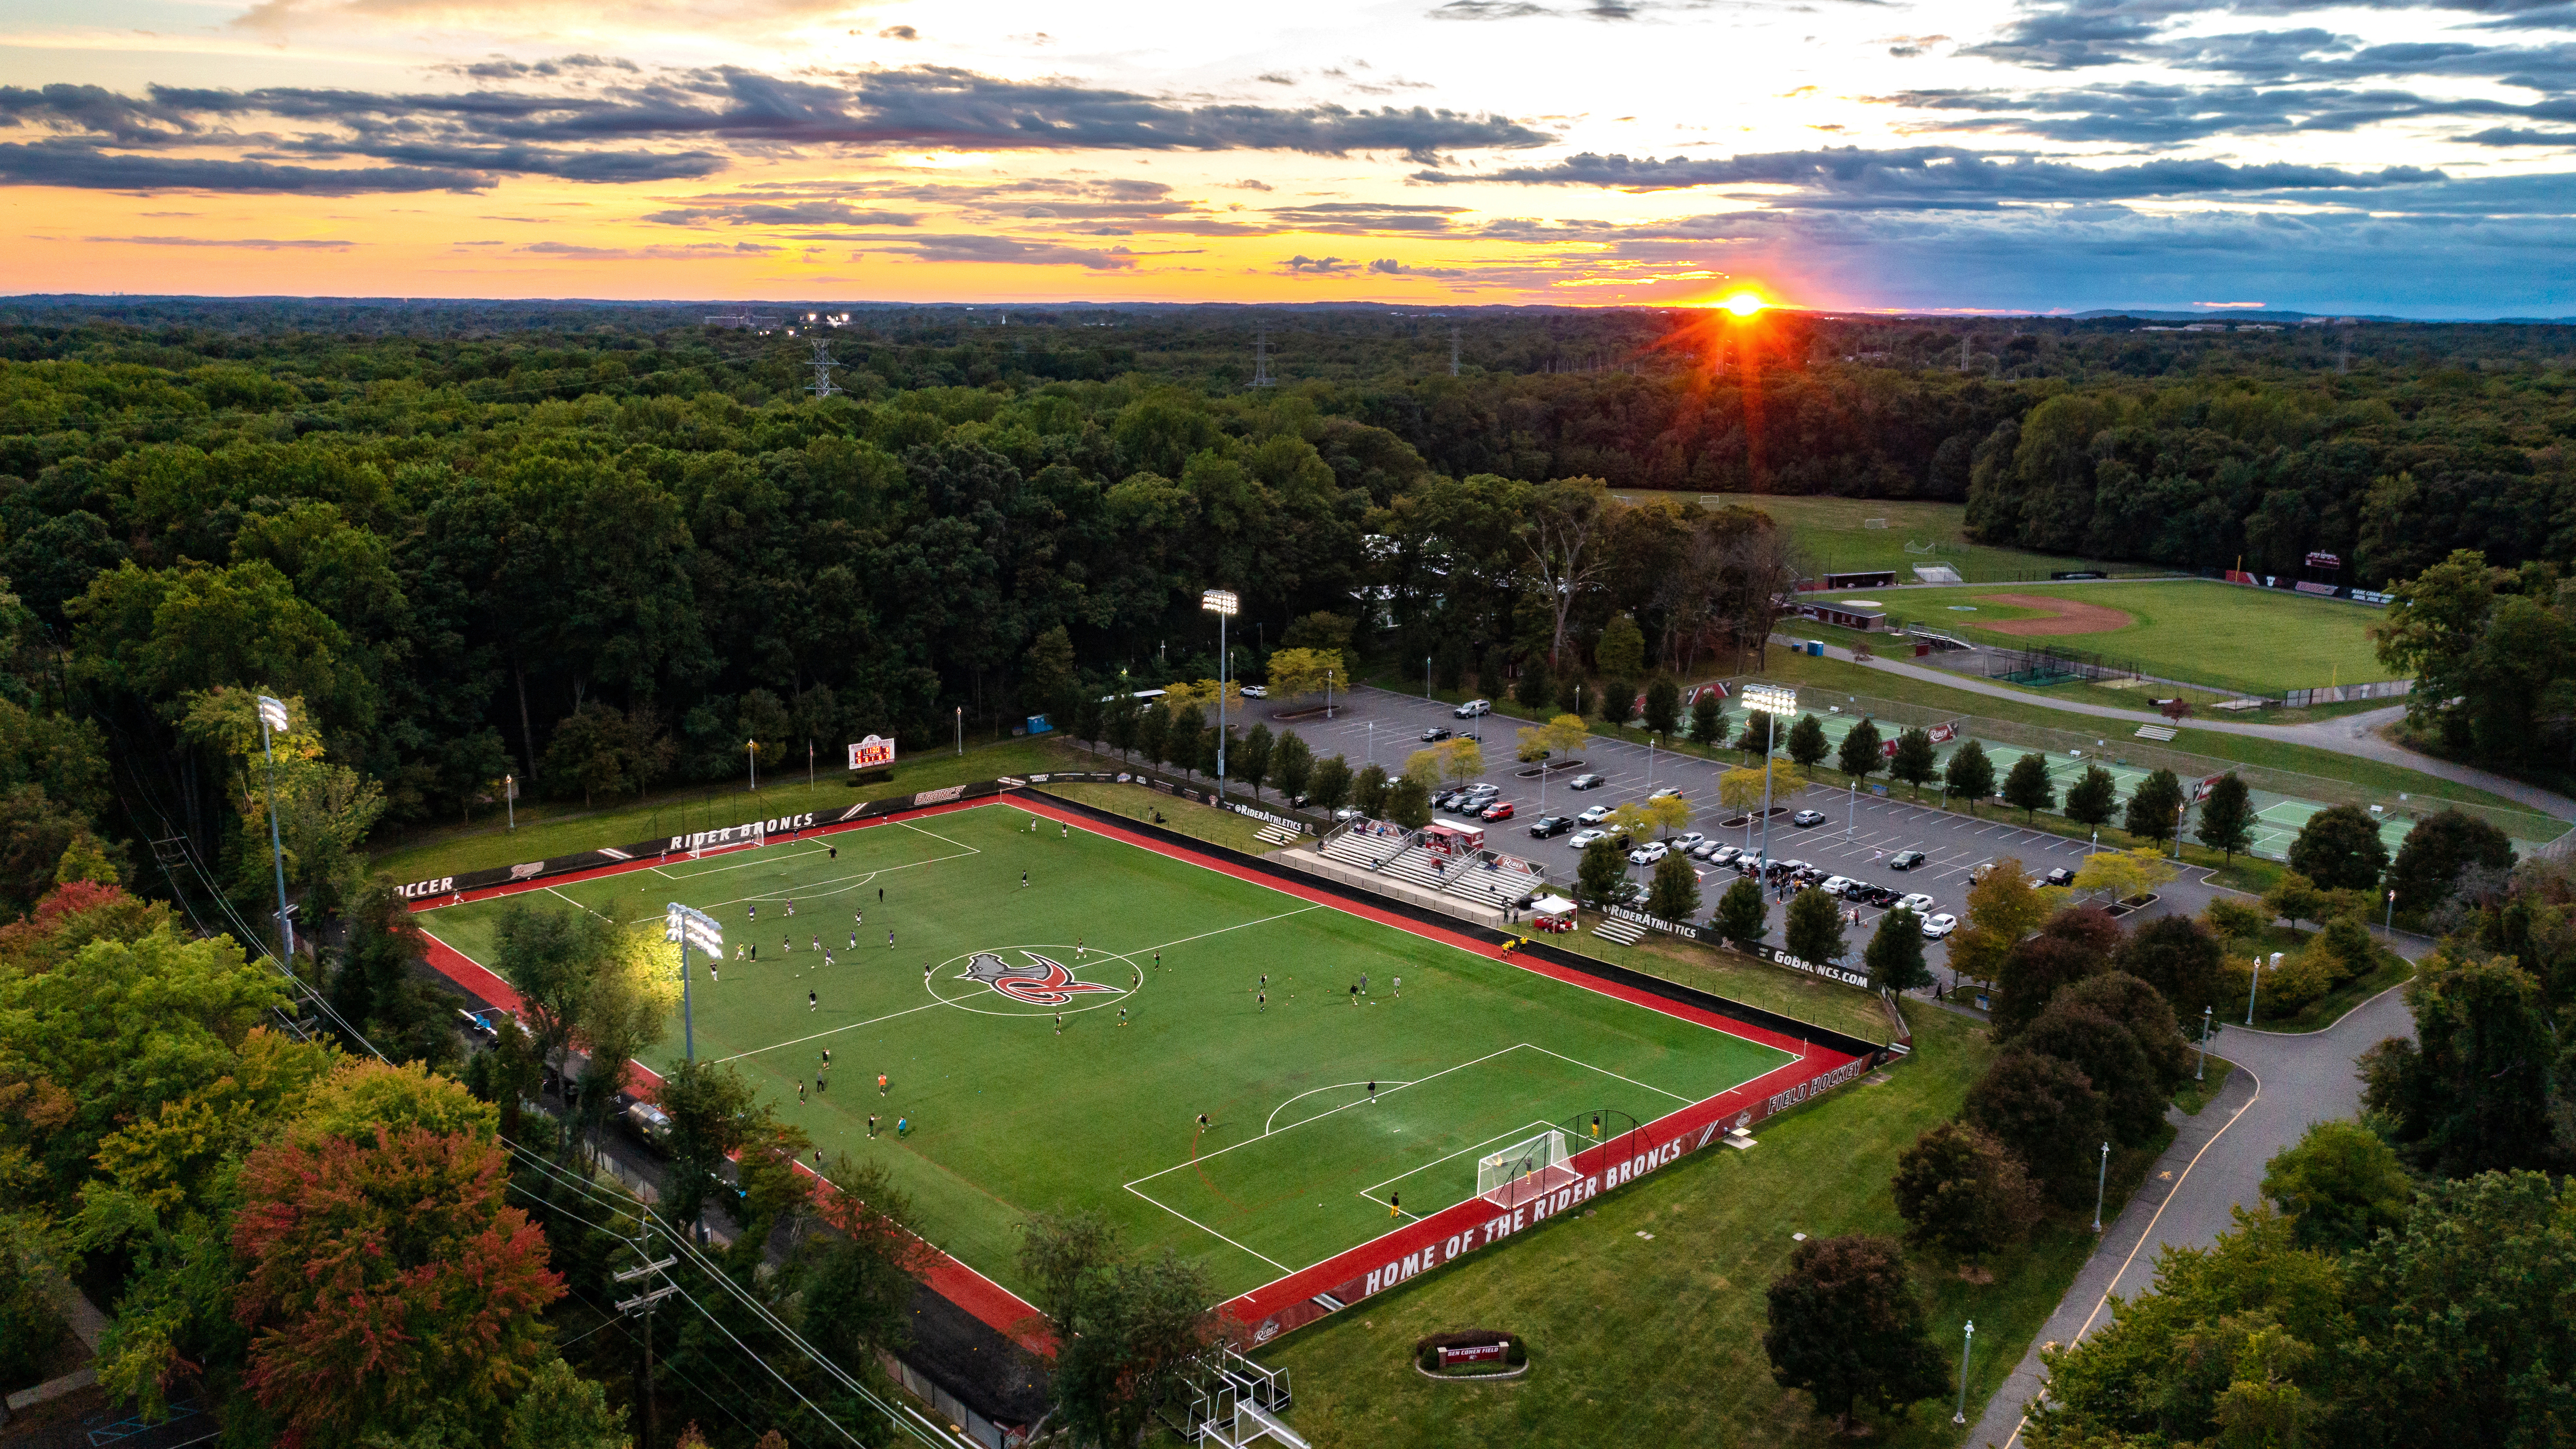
822, 386
1261, 358
1453, 350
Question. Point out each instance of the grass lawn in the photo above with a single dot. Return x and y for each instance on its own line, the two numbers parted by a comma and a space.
562, 828
2258, 640
1737, 977
1011, 1114
1142, 802
1837, 538
2323, 1012
1644, 1319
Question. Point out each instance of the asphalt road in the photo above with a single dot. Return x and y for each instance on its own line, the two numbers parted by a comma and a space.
1861, 830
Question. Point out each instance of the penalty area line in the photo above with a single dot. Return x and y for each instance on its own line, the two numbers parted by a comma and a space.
1213, 1233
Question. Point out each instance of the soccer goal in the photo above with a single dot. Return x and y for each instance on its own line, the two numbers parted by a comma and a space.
1524, 1171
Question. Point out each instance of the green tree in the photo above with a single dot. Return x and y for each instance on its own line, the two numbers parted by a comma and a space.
1673, 891
2227, 817
1618, 700
1292, 764
2109, 1056
2046, 1113
1742, 917
1493, 673
1153, 732
1184, 743
1408, 804
2155, 807
1569, 691
2295, 898
1846, 1326
562, 1410
2436, 850
2027, 787
1894, 954
1971, 776
1449, 665
1127, 1327
1663, 707
1815, 927
1708, 718
1621, 652
597, 750
1961, 1194
2181, 958
2093, 796
1602, 872
2340, 1185
2071, 946
1047, 678
1537, 685
1914, 761
2340, 849
1369, 790
1860, 755
2003, 907
1249, 758
1329, 788
711, 1108
2476, 1089
1301, 673
1806, 742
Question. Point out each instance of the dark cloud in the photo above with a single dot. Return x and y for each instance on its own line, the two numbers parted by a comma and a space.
2509, 136
1362, 217
1303, 265
501, 67
1938, 177
80, 164
102, 113
253, 244
1025, 253
2165, 114
1390, 267
898, 32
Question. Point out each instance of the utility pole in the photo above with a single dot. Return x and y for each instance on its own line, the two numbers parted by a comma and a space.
822, 386
1261, 358
272, 715
643, 1303
2101, 1180
1453, 349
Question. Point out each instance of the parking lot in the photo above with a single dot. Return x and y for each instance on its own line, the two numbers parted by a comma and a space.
1861, 828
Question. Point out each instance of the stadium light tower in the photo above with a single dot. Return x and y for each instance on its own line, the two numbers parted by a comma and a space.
1223, 604
272, 716
691, 927
1770, 701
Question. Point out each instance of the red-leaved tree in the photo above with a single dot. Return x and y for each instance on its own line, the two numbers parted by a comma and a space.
384, 1279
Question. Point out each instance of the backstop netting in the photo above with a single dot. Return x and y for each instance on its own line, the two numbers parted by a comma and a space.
1524, 1171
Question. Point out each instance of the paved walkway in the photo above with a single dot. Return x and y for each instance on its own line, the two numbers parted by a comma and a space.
2283, 1084
2356, 735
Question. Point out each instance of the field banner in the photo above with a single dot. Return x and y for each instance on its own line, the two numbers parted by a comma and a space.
1943, 734
873, 753
2201, 787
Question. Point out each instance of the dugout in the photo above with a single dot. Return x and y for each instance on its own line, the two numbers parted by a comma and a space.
1852, 615
1454, 837
1867, 579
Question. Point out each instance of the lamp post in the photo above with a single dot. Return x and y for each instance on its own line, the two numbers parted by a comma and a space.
1965, 1349
1223, 604
961, 730
1426, 676
510, 798
1771, 701
1328, 694
2201, 1073
272, 716
2388, 923
751, 753
690, 926
2253, 988
2101, 1180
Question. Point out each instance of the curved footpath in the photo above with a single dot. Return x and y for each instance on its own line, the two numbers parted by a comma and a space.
2283, 1084
2355, 735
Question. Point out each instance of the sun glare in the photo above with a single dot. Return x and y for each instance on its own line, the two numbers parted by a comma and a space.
1743, 304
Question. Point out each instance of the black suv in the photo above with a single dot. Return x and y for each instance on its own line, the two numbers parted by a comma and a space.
1550, 825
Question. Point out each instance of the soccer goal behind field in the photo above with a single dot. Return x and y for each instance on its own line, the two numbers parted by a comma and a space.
1524, 1171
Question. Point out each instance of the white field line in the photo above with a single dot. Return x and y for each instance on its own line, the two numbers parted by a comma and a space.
1370, 1191
1221, 930
835, 1031
1605, 1071
1301, 1096
1320, 1116
1211, 1232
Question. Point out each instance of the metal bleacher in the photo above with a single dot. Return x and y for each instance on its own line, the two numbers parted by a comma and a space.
1490, 879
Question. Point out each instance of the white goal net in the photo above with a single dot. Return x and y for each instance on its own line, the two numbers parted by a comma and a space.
1524, 1171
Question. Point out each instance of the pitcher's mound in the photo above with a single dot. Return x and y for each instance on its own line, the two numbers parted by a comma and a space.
2064, 616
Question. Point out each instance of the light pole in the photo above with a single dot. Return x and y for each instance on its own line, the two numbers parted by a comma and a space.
751, 752
510, 798
1771, 701
1426, 676
2388, 923
2253, 988
1372, 744
272, 716
1965, 1349
2201, 1072
1328, 694
961, 730
2101, 1180
691, 927
1223, 604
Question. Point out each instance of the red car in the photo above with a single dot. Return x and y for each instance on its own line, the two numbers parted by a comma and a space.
1499, 810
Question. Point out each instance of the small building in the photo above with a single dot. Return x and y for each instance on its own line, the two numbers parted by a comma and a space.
1867, 579
1454, 837
1868, 618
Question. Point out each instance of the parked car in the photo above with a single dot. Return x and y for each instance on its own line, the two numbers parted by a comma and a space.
1706, 850
1726, 855
1483, 790
1583, 838
1435, 734
1666, 793
1474, 709
1806, 819
1349, 812
1977, 873
1547, 826
1688, 839
2061, 877
1905, 860
1878, 895
1837, 884
1499, 810
1585, 782
1595, 815
1448, 801
1936, 927
1919, 903
1648, 853
1256, 691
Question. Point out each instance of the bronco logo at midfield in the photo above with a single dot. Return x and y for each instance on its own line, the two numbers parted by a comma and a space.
1042, 982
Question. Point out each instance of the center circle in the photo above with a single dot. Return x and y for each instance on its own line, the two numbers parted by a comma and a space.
1040, 980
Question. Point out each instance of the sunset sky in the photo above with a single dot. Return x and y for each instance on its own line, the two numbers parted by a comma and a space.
2417, 159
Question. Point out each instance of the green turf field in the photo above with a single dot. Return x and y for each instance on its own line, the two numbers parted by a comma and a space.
1837, 536
2258, 640
1009, 1117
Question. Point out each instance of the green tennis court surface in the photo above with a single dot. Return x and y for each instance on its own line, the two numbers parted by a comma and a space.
1009, 1117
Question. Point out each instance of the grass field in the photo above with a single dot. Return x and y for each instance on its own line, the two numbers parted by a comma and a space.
1010, 1115
2258, 640
1837, 536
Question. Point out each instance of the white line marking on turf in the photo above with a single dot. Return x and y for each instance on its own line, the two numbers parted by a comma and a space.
1221, 930
559, 895
1513, 1134
1605, 1071
836, 1031
1213, 1233
1318, 1117
1301, 1096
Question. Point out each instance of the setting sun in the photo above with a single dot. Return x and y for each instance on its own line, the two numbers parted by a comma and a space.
1743, 304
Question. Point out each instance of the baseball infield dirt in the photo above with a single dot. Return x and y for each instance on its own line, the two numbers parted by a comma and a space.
2064, 616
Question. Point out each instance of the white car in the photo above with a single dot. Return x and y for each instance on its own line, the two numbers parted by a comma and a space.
1256, 691
1936, 927
1648, 853
1666, 793
1919, 903
1594, 816
1726, 855
1582, 839
1687, 839
1835, 885
1473, 709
